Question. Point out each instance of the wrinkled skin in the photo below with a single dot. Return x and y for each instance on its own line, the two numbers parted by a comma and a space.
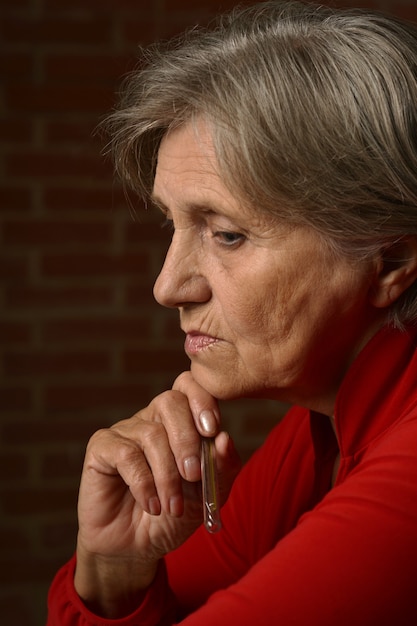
140, 494
267, 312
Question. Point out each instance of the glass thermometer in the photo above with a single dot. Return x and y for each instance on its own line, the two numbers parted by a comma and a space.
211, 502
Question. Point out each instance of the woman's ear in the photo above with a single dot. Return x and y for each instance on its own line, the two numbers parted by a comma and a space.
396, 271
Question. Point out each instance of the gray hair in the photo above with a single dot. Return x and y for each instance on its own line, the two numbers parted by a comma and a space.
313, 113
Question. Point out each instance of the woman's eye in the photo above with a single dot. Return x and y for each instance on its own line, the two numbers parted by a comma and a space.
228, 238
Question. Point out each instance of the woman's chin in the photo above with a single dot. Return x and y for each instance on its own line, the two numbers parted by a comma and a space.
219, 384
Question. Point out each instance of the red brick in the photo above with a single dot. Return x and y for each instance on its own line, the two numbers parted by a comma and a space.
56, 165
368, 4
17, 608
98, 329
13, 465
176, 22
15, 399
88, 31
55, 363
139, 31
113, 6
20, 571
134, 204
99, 264
140, 296
404, 10
45, 232
138, 232
83, 199
62, 464
184, 5
171, 326
16, 132
153, 361
73, 397
56, 535
72, 131
60, 98
34, 432
13, 540
13, 267
13, 198
15, 333
92, 67
58, 297
16, 65
17, 4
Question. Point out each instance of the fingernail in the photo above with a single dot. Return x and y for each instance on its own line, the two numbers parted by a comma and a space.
208, 422
192, 468
154, 506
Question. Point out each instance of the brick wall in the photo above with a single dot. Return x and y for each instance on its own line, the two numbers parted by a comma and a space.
82, 342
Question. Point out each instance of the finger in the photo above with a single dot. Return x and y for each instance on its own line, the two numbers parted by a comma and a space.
228, 463
173, 411
162, 463
111, 456
148, 466
226, 453
204, 407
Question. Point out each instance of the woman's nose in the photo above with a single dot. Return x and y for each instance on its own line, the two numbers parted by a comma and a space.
181, 281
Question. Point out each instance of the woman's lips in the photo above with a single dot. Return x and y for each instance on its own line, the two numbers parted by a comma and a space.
195, 342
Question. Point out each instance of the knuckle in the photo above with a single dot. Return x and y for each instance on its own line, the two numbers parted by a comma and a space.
152, 433
182, 380
98, 439
127, 452
168, 403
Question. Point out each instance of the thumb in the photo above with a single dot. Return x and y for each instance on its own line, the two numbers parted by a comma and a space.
228, 463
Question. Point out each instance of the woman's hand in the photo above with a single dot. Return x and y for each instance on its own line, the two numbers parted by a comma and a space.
140, 494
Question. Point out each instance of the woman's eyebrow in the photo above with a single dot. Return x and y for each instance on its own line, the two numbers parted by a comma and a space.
194, 207
202, 208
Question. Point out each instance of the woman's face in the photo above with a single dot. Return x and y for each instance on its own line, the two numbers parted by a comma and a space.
267, 309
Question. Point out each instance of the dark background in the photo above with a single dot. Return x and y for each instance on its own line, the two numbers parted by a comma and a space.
82, 343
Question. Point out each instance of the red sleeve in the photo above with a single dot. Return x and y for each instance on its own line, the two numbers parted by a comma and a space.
65, 607
206, 562
351, 559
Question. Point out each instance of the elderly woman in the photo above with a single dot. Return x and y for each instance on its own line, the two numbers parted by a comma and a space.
282, 148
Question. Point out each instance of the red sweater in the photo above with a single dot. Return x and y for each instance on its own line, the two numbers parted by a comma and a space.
294, 551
